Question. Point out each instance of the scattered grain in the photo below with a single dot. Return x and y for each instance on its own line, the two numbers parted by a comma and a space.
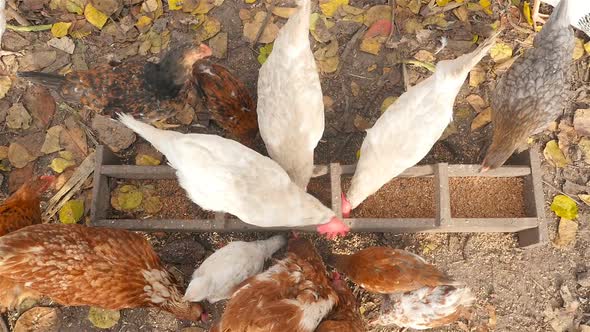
320, 188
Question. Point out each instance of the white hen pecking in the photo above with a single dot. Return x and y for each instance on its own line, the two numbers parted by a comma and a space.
290, 101
579, 13
226, 268
408, 129
223, 175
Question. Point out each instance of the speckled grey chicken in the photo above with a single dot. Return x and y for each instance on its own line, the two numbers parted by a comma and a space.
532, 93
579, 13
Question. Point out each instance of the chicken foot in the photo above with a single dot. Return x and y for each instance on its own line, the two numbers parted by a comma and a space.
536, 16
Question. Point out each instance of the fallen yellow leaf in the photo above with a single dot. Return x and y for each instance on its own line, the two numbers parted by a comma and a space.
329, 7
376, 13
60, 29
587, 47
103, 318
284, 12
585, 198
501, 52
94, 16
554, 155
71, 211
5, 84
143, 23
578, 49
265, 51
526, 11
486, 6
482, 119
59, 165
442, 3
174, 4
387, 102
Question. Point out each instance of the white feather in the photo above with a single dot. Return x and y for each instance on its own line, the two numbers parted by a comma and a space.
578, 12
223, 175
408, 129
221, 272
290, 100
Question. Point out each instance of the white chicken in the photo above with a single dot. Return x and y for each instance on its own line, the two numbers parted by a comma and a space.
408, 129
223, 175
579, 13
290, 101
226, 268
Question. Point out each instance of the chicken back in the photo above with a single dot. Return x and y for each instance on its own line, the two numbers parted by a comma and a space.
293, 295
532, 93
22, 209
77, 265
228, 100
136, 87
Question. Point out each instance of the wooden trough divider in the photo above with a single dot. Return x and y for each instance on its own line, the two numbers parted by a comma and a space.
531, 230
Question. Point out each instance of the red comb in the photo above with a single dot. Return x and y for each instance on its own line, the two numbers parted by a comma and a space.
336, 276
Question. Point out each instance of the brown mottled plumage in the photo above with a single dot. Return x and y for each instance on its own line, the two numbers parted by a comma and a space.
293, 295
13, 293
22, 209
345, 317
532, 93
77, 265
386, 270
135, 87
228, 100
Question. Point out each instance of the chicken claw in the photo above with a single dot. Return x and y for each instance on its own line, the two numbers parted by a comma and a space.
333, 229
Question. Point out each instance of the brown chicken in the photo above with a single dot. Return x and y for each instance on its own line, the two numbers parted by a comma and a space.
532, 93
228, 100
154, 91
345, 317
293, 295
417, 294
13, 293
76, 265
22, 209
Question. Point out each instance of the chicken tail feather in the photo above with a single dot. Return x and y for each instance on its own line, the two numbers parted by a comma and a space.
462, 65
159, 138
52, 81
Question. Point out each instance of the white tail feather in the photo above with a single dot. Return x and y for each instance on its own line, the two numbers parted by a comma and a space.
159, 138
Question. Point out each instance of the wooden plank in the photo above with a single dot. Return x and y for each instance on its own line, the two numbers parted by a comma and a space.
336, 188
138, 172
97, 208
540, 235
488, 225
473, 170
421, 170
382, 225
442, 194
185, 225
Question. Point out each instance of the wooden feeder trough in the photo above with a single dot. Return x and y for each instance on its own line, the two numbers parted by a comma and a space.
442, 192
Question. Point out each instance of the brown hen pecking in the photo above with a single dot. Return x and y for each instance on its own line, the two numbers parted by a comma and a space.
532, 93
22, 209
228, 100
417, 294
293, 295
345, 317
154, 91
76, 265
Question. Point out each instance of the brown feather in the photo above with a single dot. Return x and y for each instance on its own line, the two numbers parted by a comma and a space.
345, 317
76, 265
386, 270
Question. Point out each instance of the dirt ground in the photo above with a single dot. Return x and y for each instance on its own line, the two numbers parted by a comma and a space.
515, 288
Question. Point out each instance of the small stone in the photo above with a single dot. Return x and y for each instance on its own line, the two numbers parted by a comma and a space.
574, 188
584, 279
113, 133
185, 116
37, 60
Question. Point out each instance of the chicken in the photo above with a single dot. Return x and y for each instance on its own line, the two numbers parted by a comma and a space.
406, 132
76, 265
22, 209
345, 317
418, 295
579, 13
228, 100
532, 93
221, 272
223, 175
293, 295
140, 88
290, 99
12, 294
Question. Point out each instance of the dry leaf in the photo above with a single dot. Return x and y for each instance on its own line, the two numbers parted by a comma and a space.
566, 233
3, 152
476, 102
376, 13
112, 133
329, 7
582, 121
208, 29
94, 16
143, 23
60, 29
51, 143
526, 11
584, 146
152, 204
18, 117
19, 156
175, 4
328, 65
59, 165
5, 84
424, 56
264, 52
73, 139
126, 198
319, 27
360, 123
146, 160
554, 155
578, 49
103, 318
501, 52
284, 12
65, 44
41, 104
482, 119
585, 198
40, 319
268, 35
587, 47
218, 45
